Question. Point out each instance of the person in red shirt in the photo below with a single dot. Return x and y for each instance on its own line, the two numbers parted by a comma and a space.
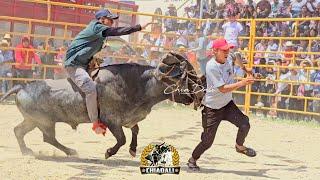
288, 55
25, 58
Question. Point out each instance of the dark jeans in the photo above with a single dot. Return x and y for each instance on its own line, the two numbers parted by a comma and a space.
211, 119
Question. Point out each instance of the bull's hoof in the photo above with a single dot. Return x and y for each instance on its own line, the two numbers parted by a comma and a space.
107, 154
27, 152
132, 152
72, 153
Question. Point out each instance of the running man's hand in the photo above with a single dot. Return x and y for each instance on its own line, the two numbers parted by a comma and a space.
247, 81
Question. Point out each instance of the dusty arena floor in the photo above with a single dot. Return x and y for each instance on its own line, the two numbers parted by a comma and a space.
285, 151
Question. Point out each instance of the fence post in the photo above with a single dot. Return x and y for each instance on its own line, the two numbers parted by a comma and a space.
250, 63
49, 10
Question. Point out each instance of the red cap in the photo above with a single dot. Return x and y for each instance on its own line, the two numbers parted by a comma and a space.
222, 44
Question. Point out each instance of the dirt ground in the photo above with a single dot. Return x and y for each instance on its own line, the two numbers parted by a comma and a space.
284, 151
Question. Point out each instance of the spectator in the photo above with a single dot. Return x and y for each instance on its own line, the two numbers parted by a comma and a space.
201, 52
312, 5
251, 3
288, 55
147, 43
48, 58
182, 36
315, 47
232, 29
230, 7
183, 51
313, 25
191, 28
213, 9
275, 8
286, 4
296, 7
285, 9
302, 47
169, 41
160, 41
169, 23
205, 6
313, 32
317, 12
248, 12
272, 46
193, 40
261, 46
25, 58
284, 89
156, 29
60, 73
263, 8
270, 86
305, 89
315, 77
304, 25
6, 56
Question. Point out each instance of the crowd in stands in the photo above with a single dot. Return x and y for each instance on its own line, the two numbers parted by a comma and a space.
187, 36
194, 40
25, 55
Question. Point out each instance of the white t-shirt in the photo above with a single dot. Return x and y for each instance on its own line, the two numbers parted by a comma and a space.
286, 77
231, 32
218, 75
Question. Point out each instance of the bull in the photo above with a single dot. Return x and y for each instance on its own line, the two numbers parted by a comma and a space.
126, 94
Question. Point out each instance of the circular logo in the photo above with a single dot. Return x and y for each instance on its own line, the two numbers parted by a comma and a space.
159, 159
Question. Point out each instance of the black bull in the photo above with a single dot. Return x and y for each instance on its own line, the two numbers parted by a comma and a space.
126, 94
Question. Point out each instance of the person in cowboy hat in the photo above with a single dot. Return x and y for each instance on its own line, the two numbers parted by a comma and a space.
81, 51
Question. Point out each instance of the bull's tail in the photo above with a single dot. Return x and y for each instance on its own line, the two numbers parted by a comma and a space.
14, 90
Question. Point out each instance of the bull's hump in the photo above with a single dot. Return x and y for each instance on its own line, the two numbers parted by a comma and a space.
60, 84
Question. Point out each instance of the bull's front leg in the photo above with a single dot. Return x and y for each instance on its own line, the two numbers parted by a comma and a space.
133, 145
118, 133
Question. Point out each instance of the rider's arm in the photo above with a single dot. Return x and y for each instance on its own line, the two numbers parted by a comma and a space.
118, 31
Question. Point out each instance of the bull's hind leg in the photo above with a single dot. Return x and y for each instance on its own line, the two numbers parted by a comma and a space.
133, 145
118, 133
49, 136
20, 131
